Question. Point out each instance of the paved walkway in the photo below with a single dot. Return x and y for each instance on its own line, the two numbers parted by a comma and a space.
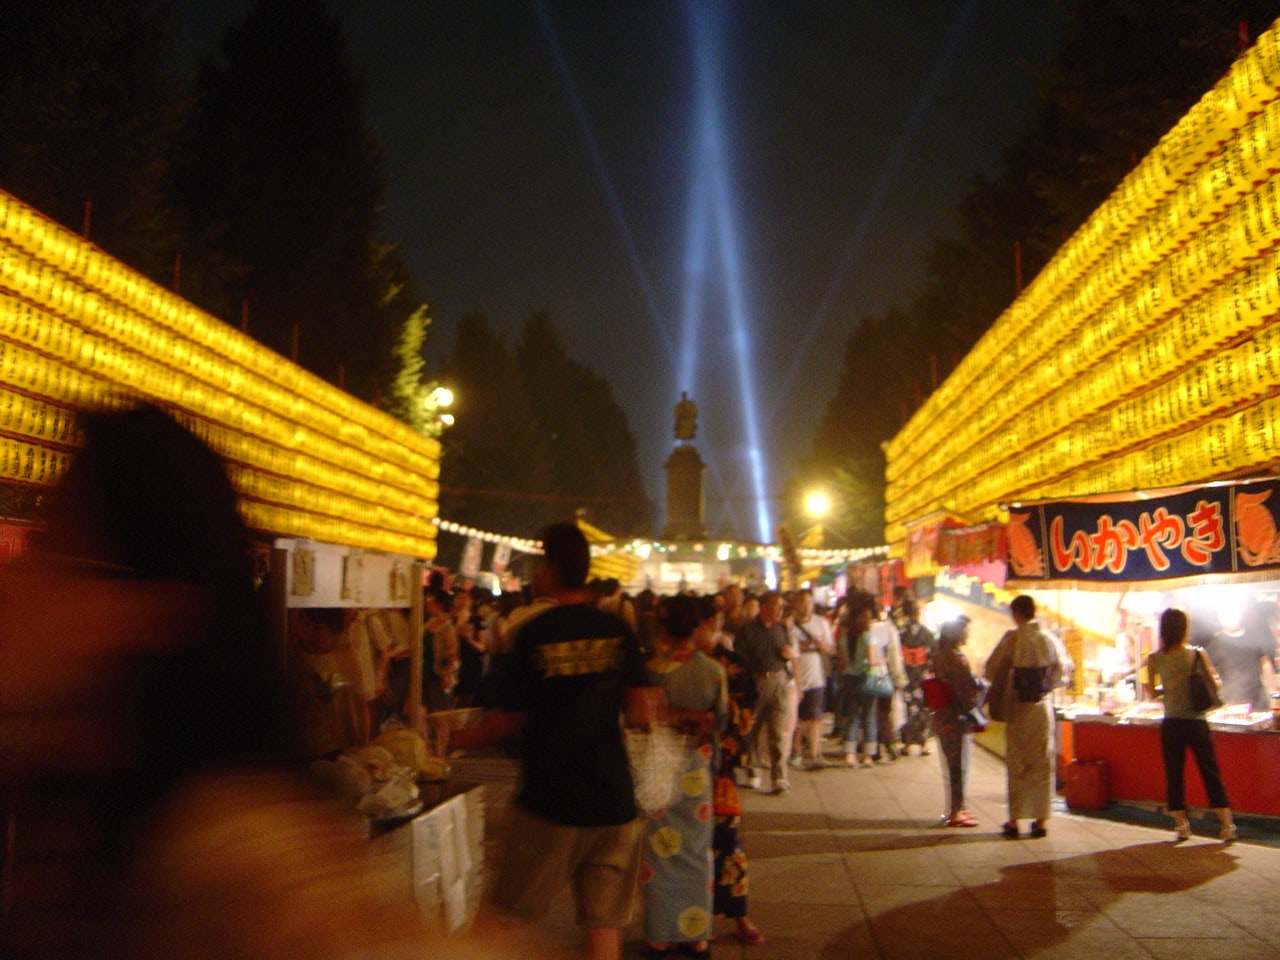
850, 865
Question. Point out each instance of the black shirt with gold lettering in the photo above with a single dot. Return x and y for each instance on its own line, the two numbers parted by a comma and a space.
569, 667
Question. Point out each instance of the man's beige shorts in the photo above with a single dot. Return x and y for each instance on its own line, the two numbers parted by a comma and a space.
540, 857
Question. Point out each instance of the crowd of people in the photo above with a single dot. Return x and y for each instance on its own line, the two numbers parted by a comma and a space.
158, 799
748, 679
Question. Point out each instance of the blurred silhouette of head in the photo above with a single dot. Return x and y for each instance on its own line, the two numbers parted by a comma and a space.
148, 503
679, 616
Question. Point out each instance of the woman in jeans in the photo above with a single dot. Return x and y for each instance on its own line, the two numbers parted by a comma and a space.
858, 656
1184, 726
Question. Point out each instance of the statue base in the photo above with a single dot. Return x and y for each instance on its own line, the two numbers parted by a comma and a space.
684, 495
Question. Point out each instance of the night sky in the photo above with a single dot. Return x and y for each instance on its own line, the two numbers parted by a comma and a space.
542, 157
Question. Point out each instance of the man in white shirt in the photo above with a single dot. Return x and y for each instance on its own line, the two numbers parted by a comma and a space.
811, 636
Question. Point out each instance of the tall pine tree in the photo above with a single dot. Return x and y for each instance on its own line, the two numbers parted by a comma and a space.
89, 116
281, 175
496, 471
593, 452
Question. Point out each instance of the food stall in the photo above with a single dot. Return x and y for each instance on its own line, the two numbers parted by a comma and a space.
340, 496
1142, 362
1114, 564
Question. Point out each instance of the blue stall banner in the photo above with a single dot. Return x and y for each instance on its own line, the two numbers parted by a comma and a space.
1227, 530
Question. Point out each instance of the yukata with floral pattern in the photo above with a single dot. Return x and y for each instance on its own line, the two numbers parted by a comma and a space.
726, 843
677, 869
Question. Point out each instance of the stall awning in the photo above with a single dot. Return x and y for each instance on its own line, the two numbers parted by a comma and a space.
922, 541
1222, 532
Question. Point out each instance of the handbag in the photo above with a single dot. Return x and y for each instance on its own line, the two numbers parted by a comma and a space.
937, 693
977, 719
877, 684
1031, 684
1202, 688
657, 758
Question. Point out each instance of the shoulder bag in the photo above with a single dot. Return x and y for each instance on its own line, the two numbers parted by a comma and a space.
657, 757
1202, 688
876, 682
937, 693
1031, 684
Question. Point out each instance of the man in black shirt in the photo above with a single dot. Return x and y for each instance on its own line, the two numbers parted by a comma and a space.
764, 645
572, 672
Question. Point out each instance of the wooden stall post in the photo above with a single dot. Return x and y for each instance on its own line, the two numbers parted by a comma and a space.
417, 715
278, 600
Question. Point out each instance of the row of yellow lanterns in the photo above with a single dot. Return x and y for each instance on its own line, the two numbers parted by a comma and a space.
1245, 440
98, 327
1063, 350
287, 522
1197, 395
1016, 377
1249, 151
134, 310
291, 493
48, 424
1080, 380
41, 421
339, 471
1240, 109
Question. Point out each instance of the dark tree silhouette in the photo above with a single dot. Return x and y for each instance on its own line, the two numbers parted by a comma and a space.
88, 114
281, 175
593, 452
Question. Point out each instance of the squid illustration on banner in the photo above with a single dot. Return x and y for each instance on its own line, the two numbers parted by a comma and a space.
1228, 530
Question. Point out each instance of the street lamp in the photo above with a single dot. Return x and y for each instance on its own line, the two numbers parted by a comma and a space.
430, 419
817, 504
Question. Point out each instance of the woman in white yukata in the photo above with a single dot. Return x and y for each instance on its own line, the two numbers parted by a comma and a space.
1024, 668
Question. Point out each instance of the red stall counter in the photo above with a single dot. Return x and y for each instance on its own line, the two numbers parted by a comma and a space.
1248, 759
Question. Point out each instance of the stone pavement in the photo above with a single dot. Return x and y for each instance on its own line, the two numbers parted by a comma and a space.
851, 864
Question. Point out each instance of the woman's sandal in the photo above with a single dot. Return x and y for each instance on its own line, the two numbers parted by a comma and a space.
1181, 832
750, 934
690, 949
654, 952
1228, 834
961, 818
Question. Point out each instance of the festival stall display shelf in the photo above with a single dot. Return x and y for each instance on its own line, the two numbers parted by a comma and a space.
437, 854
1146, 353
80, 330
1228, 719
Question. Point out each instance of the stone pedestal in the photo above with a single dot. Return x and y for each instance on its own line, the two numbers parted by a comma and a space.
684, 495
